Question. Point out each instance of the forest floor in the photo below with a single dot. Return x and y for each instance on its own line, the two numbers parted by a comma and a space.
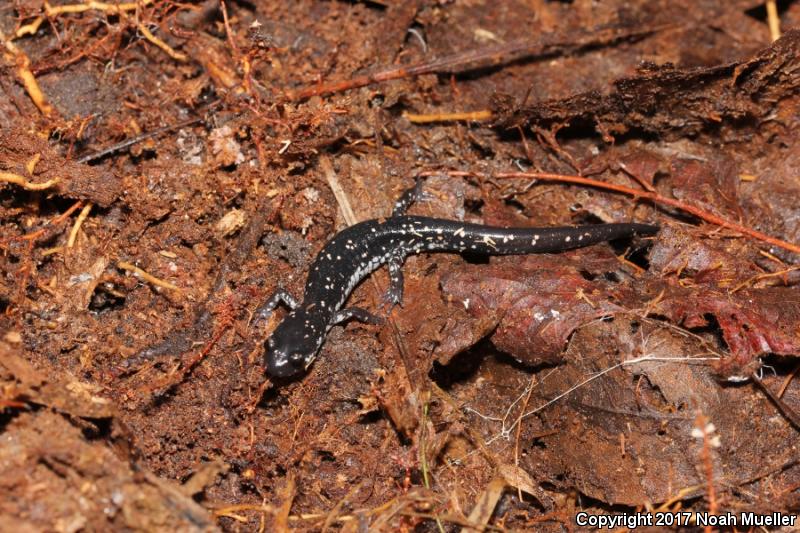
165, 167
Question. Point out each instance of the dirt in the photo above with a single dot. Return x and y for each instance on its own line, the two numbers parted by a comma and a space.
165, 167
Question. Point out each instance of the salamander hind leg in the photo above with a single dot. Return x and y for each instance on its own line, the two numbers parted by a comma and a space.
394, 294
414, 194
357, 313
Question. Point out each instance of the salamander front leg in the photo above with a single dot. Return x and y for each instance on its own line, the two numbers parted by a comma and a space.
280, 296
357, 313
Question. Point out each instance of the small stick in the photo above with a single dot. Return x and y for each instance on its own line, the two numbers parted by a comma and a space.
135, 140
788, 380
338, 192
228, 30
53, 11
160, 44
773, 20
704, 430
124, 265
638, 194
25, 75
469, 116
77, 226
482, 58
57, 220
759, 277
784, 409
16, 179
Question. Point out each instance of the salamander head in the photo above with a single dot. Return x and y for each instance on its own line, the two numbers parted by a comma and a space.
293, 345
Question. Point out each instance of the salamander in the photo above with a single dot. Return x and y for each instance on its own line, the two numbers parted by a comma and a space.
355, 252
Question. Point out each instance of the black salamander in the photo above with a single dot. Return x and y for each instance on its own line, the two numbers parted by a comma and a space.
360, 249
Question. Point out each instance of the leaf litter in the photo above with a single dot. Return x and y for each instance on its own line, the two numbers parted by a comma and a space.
505, 393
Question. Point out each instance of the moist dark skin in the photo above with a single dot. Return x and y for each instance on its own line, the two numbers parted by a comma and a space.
360, 249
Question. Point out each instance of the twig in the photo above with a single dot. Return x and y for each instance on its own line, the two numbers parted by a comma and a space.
638, 194
44, 68
287, 494
124, 265
505, 432
137, 139
338, 192
23, 63
227, 510
767, 275
423, 454
548, 45
36, 234
159, 43
788, 380
468, 116
53, 11
773, 21
228, 31
523, 408
335, 510
629, 362
77, 226
785, 410
16, 179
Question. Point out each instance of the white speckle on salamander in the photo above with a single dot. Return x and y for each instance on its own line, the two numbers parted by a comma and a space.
488, 240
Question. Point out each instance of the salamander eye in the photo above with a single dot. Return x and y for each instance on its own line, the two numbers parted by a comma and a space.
297, 359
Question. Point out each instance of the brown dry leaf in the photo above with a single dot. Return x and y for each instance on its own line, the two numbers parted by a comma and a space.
710, 185
754, 322
540, 299
682, 251
485, 504
518, 478
626, 436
